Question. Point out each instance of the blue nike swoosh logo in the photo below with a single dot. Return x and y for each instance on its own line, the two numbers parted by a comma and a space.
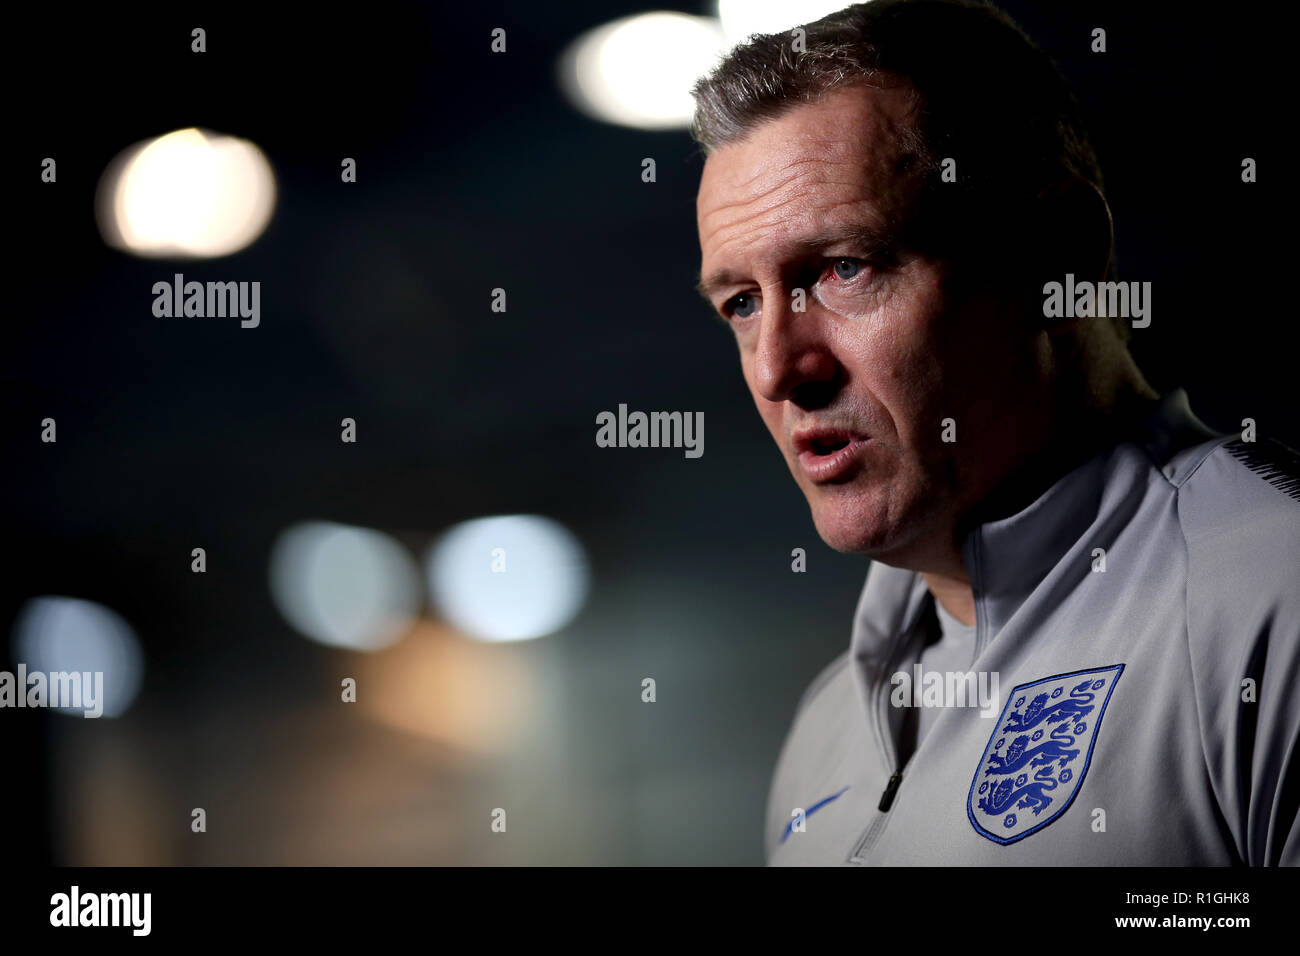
789, 827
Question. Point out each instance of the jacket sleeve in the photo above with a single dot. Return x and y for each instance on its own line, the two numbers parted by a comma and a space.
1241, 525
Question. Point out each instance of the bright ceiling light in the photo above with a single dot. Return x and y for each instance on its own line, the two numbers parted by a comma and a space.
638, 71
188, 194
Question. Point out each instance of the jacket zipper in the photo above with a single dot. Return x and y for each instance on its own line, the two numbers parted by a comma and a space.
868, 839
877, 826
873, 831
891, 788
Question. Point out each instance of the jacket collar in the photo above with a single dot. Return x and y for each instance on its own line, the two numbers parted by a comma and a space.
1007, 559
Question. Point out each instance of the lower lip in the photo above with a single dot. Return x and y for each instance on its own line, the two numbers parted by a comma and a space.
836, 465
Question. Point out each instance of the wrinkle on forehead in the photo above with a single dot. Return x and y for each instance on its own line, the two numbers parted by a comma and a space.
823, 120
812, 200
847, 148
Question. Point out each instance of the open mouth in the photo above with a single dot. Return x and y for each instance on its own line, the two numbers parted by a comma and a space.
827, 446
830, 454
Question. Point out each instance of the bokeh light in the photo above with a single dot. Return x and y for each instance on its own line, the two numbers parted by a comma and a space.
344, 586
188, 194
508, 578
56, 634
638, 71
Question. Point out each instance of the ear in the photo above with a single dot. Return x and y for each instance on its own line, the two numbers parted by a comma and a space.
1075, 229
1071, 234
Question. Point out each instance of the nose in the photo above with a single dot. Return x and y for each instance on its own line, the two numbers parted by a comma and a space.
792, 360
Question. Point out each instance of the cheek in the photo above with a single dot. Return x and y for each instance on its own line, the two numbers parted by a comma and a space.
892, 363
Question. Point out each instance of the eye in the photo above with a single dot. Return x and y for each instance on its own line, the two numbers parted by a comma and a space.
846, 268
740, 306
849, 286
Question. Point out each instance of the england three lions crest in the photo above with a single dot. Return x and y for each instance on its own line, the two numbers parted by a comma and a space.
1039, 753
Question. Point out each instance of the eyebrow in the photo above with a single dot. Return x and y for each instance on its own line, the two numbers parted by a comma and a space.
863, 237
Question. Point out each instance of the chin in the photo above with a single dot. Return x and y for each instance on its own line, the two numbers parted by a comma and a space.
855, 527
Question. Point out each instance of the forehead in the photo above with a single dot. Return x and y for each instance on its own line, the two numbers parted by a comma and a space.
839, 161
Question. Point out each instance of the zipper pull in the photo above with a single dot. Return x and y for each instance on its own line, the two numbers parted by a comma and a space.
891, 788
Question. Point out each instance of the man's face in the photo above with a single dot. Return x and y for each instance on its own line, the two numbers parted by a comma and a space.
856, 388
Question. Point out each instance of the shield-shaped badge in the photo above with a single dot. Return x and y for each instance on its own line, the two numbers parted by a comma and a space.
1039, 753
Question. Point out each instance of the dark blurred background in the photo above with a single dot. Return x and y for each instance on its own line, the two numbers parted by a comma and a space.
475, 172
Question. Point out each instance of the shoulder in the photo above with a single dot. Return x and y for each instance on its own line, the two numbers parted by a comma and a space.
823, 679
1239, 511
819, 728
1265, 472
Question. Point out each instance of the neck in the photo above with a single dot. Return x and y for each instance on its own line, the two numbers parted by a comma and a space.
954, 594
1078, 431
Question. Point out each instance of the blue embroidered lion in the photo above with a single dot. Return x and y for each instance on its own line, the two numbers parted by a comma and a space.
1031, 796
1077, 705
1019, 753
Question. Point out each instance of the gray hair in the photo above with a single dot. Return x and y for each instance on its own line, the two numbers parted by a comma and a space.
985, 93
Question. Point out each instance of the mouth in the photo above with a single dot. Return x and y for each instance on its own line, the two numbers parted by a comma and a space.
828, 455
825, 446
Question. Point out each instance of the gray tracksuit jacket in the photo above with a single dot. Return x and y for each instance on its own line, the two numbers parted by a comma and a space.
1140, 622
